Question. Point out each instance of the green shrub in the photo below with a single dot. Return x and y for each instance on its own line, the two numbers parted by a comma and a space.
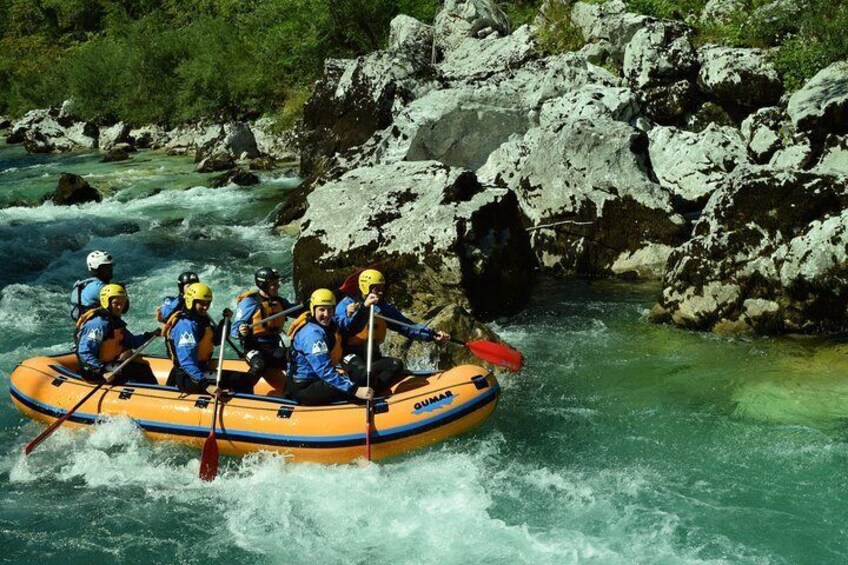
557, 33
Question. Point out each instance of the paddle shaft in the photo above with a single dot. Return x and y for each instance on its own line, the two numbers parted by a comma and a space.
277, 315
50, 429
368, 357
485, 350
413, 326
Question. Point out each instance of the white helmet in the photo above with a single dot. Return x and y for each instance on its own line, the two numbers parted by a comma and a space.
97, 258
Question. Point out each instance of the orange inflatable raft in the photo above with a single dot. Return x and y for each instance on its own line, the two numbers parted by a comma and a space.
422, 410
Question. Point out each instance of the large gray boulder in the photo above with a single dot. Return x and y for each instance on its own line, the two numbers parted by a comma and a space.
738, 77
821, 105
661, 64
834, 159
768, 254
149, 137
461, 126
582, 183
434, 228
53, 130
693, 165
237, 140
279, 146
112, 135
188, 138
461, 19
203, 139
355, 99
411, 39
607, 22
796, 153
488, 60
761, 132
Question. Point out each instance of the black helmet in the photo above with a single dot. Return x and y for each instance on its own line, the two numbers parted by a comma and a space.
265, 275
186, 278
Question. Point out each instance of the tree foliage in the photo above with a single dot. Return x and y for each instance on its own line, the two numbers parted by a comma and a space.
167, 61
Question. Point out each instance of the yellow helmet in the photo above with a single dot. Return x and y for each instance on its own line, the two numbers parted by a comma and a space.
321, 297
111, 291
197, 291
368, 278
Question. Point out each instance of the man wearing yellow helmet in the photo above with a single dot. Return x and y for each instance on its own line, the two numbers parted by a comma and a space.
352, 317
103, 341
314, 376
191, 338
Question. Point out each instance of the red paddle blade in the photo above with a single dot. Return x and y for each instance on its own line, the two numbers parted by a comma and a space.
496, 354
350, 286
209, 458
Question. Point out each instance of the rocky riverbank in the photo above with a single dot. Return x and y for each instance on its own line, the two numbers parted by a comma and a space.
642, 155
464, 160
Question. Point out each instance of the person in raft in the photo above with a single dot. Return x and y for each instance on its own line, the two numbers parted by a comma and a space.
263, 349
314, 377
171, 304
103, 341
190, 339
352, 317
85, 294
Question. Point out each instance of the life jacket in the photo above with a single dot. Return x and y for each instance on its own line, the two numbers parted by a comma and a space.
206, 345
113, 342
360, 338
305, 318
267, 307
75, 301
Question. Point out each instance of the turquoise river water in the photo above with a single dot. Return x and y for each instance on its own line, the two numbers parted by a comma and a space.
621, 441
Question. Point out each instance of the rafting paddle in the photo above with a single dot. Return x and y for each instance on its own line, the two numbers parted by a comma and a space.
368, 357
494, 353
277, 315
55, 425
209, 456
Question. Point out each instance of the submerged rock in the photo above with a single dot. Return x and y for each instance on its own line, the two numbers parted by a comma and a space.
115, 154
235, 176
73, 189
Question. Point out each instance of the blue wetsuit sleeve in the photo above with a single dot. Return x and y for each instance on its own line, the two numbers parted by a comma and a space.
244, 314
342, 319
132, 341
184, 341
91, 293
318, 357
169, 306
91, 338
419, 331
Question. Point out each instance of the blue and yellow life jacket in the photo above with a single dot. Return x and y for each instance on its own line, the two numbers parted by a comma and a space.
360, 338
305, 318
205, 345
113, 341
267, 307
